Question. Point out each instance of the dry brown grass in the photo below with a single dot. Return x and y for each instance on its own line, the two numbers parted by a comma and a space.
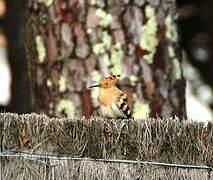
147, 140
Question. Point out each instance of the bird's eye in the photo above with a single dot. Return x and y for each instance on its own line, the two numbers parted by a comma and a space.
106, 84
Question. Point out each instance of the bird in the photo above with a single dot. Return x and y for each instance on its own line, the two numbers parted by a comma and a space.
112, 100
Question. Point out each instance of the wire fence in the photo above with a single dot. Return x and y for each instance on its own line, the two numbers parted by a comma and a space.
37, 147
47, 156
42, 158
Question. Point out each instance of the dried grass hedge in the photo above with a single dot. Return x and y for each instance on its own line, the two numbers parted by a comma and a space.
161, 140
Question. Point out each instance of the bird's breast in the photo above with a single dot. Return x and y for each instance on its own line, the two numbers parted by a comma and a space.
107, 97
110, 111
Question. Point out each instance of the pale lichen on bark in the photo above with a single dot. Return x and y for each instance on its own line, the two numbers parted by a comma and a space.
78, 43
41, 50
149, 39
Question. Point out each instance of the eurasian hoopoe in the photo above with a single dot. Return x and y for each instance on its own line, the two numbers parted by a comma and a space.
113, 102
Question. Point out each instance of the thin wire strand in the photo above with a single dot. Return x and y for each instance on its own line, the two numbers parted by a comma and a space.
41, 156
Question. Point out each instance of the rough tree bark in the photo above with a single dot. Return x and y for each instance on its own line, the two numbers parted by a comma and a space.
72, 44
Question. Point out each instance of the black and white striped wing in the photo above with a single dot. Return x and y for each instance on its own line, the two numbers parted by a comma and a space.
123, 106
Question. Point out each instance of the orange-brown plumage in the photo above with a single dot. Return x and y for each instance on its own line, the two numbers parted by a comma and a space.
108, 96
113, 102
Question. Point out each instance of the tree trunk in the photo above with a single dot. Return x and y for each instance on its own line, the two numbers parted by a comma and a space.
13, 25
72, 44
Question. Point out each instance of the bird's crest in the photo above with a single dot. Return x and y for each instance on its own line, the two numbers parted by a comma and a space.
108, 82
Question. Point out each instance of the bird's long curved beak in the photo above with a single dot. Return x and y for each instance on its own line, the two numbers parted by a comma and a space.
97, 85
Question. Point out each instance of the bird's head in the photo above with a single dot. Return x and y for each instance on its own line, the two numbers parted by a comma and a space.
108, 82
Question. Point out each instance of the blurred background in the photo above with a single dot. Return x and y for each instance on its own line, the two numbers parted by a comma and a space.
196, 37
14, 92
196, 33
